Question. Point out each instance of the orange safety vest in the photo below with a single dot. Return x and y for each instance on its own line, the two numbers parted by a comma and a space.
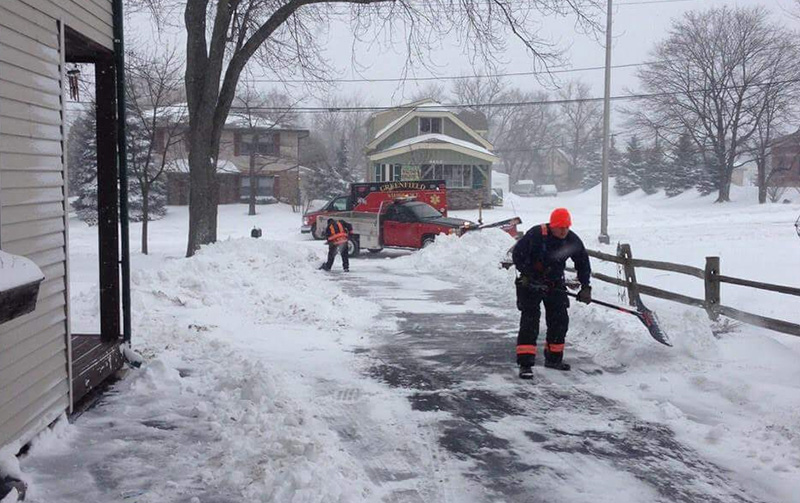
338, 236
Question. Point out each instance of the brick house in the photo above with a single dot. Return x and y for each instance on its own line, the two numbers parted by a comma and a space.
278, 150
784, 161
425, 140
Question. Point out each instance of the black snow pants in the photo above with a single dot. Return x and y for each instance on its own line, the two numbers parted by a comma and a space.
556, 302
332, 251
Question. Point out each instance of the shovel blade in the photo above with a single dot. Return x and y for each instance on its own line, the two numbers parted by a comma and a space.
648, 318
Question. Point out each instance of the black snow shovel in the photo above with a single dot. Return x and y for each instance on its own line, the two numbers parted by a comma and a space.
645, 315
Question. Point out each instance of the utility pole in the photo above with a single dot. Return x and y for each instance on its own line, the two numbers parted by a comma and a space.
603, 237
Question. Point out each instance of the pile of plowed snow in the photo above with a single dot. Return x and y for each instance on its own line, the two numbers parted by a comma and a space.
473, 259
268, 282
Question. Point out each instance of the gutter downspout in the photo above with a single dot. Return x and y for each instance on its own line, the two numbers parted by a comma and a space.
122, 165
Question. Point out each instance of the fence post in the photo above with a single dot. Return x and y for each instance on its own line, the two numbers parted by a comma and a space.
624, 252
712, 287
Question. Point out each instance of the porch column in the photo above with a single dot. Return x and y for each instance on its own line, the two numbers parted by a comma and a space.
107, 197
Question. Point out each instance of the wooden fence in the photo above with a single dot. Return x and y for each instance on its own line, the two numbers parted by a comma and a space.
712, 278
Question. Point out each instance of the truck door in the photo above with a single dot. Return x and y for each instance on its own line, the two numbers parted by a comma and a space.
398, 227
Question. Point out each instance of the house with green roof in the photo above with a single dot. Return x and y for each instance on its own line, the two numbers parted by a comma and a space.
426, 140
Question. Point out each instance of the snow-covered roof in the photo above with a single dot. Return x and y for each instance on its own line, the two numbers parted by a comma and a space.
434, 106
439, 138
180, 112
253, 121
182, 166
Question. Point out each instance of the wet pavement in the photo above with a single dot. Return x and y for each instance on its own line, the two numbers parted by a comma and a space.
461, 364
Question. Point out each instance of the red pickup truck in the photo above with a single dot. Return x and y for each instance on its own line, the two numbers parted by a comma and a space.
370, 198
406, 223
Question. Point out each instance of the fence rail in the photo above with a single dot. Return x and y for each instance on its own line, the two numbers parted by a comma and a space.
712, 280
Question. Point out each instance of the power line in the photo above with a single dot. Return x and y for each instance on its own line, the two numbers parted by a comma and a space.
646, 2
355, 109
449, 77
509, 104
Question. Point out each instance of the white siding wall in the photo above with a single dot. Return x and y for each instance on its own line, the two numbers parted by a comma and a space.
34, 384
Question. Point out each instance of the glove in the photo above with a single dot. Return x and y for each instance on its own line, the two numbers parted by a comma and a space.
585, 294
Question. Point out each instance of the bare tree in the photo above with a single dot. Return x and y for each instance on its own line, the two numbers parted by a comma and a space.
581, 122
527, 135
333, 124
432, 90
714, 77
156, 114
224, 35
779, 113
481, 90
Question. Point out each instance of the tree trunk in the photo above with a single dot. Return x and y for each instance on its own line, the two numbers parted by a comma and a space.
253, 153
204, 189
725, 185
762, 179
145, 216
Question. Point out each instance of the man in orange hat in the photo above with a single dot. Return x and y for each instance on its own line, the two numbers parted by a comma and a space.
540, 257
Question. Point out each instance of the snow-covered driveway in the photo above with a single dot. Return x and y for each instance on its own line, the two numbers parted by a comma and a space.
552, 439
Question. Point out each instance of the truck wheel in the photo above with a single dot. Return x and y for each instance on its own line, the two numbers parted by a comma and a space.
353, 248
427, 241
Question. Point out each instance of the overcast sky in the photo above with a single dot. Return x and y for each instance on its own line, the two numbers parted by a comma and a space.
637, 27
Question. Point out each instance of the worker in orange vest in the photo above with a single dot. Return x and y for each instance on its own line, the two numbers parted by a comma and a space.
540, 257
337, 233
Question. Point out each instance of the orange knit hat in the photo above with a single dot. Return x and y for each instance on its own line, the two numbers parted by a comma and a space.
560, 217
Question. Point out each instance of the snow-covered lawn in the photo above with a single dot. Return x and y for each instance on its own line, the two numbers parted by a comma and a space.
253, 387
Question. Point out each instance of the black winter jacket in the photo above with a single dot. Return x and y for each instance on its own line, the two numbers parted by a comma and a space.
543, 258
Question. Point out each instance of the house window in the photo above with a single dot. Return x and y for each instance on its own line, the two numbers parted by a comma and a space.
430, 125
397, 172
268, 144
456, 176
378, 172
264, 186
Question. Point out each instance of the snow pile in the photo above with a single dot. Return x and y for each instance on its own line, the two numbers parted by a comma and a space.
269, 282
226, 409
473, 259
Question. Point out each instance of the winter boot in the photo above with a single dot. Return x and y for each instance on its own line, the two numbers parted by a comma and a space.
554, 361
525, 372
557, 365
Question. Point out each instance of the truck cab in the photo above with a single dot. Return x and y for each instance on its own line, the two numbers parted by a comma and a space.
335, 206
414, 224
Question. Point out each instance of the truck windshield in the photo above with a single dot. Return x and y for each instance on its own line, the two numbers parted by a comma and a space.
423, 211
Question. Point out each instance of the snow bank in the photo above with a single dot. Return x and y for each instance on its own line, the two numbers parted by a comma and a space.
223, 409
269, 282
473, 259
